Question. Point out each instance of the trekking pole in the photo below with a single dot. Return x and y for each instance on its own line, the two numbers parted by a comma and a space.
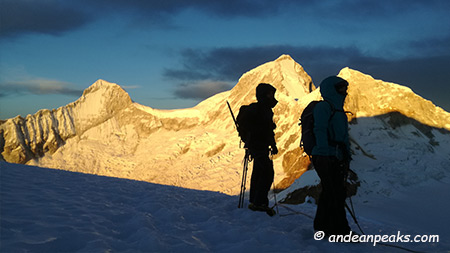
245, 164
275, 196
244, 179
351, 211
273, 184
232, 114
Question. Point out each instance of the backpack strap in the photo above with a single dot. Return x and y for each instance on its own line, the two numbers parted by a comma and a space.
334, 110
339, 145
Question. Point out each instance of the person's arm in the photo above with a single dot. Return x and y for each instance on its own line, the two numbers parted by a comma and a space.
322, 114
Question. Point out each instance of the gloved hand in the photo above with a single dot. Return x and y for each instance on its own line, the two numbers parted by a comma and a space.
322, 161
274, 150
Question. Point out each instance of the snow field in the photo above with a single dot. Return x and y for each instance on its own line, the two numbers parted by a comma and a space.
51, 210
46, 210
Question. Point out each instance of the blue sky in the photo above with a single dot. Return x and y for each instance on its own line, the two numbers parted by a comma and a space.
173, 54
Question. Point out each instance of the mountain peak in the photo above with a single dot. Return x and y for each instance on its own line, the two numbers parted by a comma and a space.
370, 97
101, 100
104, 96
284, 73
100, 84
47, 130
284, 57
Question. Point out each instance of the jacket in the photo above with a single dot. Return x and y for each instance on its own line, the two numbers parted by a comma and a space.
331, 130
262, 135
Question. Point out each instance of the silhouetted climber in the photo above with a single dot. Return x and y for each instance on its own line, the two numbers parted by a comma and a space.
331, 156
256, 128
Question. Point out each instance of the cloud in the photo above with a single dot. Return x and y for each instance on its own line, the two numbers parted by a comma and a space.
55, 17
131, 87
201, 90
228, 63
225, 63
267, 8
224, 8
431, 46
45, 17
362, 10
38, 86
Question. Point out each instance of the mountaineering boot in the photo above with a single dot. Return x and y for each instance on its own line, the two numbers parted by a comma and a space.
262, 208
270, 211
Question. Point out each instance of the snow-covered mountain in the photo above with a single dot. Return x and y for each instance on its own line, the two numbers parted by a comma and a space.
105, 133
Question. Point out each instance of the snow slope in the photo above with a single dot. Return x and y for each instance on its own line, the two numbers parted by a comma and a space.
46, 210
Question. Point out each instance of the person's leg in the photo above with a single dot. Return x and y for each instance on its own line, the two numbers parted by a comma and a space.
262, 178
339, 217
266, 181
254, 179
324, 205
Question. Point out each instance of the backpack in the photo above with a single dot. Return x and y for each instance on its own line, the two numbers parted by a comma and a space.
308, 140
245, 122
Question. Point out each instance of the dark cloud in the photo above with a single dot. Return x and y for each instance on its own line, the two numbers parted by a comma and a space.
38, 86
222, 63
201, 90
431, 46
227, 65
45, 17
57, 16
230, 63
188, 74
267, 8
224, 8
367, 9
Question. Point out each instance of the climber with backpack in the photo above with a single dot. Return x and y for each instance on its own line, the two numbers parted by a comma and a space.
256, 129
325, 137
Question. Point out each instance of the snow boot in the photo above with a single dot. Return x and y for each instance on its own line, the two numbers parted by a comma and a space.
262, 208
